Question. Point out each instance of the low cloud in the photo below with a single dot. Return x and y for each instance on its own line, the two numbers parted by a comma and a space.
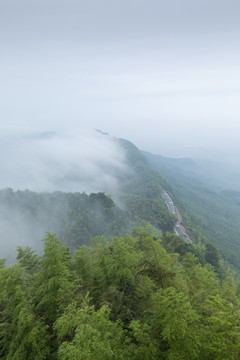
88, 161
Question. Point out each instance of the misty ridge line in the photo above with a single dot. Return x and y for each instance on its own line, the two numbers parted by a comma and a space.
66, 167
54, 166
40, 171
26, 217
88, 162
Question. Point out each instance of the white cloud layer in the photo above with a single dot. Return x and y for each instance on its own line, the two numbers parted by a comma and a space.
164, 74
86, 162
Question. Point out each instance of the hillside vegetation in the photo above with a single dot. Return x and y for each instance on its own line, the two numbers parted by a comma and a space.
77, 218
100, 290
128, 299
216, 213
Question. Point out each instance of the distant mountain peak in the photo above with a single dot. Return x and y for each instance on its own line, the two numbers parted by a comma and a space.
102, 132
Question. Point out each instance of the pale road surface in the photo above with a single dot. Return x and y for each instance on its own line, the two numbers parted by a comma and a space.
179, 228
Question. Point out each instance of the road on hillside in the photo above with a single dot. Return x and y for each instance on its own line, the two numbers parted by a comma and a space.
168, 201
179, 229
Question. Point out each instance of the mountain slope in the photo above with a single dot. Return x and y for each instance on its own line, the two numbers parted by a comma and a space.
77, 218
217, 213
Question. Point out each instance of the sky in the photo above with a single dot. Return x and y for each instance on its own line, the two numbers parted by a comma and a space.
163, 74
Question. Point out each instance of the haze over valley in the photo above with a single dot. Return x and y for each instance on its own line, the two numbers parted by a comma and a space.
120, 180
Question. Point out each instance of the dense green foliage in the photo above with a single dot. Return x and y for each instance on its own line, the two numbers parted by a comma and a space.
216, 213
141, 194
145, 296
128, 299
76, 218
217, 217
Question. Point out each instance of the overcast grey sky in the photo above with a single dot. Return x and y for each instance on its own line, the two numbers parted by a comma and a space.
164, 74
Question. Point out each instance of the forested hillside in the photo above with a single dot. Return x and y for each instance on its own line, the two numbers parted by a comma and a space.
141, 193
100, 290
216, 213
128, 299
77, 217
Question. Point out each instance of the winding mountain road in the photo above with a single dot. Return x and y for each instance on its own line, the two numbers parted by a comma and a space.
179, 228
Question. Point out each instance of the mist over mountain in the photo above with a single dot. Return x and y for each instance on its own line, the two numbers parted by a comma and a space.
107, 252
48, 161
208, 191
218, 174
61, 171
78, 187
35, 167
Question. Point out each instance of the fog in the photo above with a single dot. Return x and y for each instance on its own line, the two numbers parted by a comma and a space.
19, 229
87, 161
164, 75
